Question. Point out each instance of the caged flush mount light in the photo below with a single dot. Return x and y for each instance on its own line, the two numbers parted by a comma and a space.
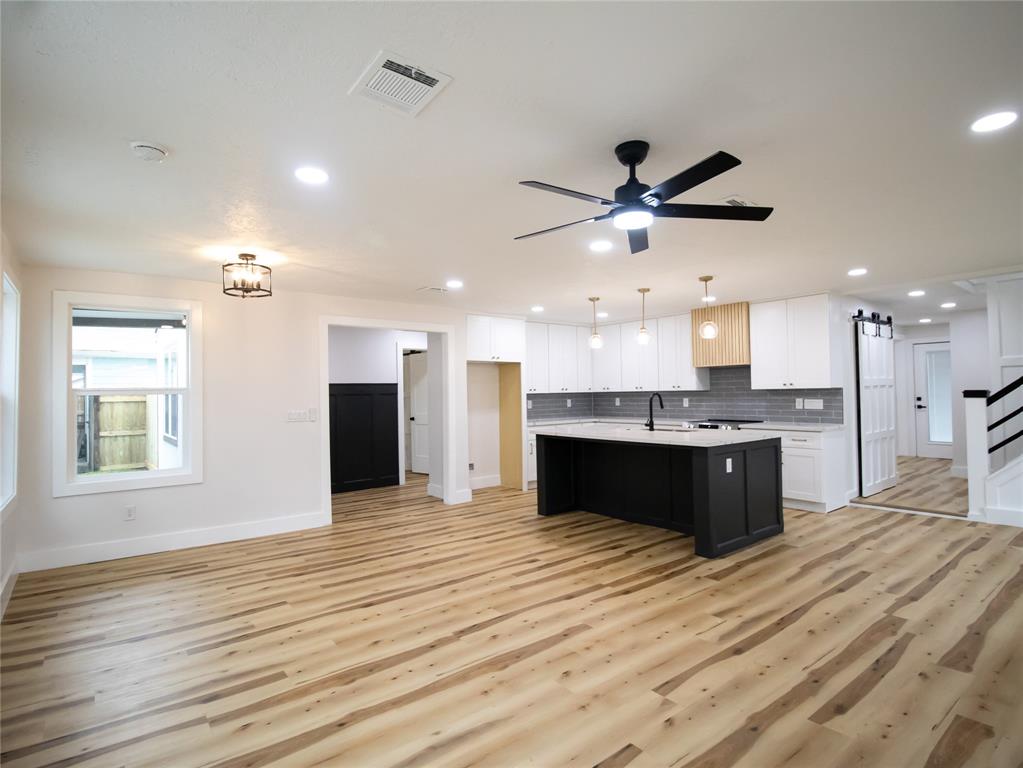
247, 279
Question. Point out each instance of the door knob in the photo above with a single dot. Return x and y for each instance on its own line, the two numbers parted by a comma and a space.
921, 407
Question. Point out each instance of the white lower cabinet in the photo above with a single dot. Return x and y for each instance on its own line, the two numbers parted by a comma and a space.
813, 468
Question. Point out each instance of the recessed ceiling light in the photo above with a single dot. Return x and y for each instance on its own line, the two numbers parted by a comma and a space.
149, 151
307, 174
536, 308
857, 272
925, 319
949, 305
915, 293
454, 284
993, 122
600, 246
602, 315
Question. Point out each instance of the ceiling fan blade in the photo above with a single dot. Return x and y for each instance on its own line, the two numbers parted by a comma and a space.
638, 240
569, 193
725, 212
703, 171
562, 226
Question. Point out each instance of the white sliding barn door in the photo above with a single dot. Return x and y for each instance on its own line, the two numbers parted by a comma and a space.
877, 409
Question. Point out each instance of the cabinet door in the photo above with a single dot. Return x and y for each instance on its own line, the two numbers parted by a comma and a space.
584, 359
769, 345
809, 337
537, 352
690, 378
668, 353
801, 474
477, 343
630, 377
508, 339
649, 379
607, 362
564, 372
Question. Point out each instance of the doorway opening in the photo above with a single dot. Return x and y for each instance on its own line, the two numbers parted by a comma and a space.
415, 415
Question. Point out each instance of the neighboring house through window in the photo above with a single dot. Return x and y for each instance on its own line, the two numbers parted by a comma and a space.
129, 405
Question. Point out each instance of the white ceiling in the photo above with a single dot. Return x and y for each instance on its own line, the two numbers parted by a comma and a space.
851, 119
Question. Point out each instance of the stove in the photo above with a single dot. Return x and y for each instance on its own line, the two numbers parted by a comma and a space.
726, 423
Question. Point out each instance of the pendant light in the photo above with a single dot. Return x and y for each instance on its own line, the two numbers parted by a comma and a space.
708, 328
246, 278
596, 342
644, 336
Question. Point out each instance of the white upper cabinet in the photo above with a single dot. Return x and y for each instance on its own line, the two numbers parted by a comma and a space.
584, 359
675, 356
790, 344
607, 361
537, 351
563, 363
495, 339
639, 361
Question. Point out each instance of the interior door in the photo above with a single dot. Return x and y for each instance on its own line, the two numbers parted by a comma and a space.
419, 414
932, 399
876, 355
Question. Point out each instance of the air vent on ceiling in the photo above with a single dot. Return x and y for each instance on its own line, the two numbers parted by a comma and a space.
397, 82
738, 201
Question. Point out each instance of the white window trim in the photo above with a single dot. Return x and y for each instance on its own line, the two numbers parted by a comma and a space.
7, 280
65, 482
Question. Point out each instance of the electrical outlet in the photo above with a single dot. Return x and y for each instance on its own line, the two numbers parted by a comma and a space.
129, 513
685, 402
529, 405
618, 401
799, 403
813, 404
568, 403
728, 466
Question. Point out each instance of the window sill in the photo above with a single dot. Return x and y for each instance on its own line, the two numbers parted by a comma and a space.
127, 481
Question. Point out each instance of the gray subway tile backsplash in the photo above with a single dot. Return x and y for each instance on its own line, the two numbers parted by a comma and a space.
729, 397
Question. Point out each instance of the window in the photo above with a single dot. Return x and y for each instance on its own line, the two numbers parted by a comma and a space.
127, 393
9, 391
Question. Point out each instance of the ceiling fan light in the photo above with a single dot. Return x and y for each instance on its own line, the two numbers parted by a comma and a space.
708, 330
632, 218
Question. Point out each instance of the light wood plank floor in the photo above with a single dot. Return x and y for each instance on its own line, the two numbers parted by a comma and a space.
409, 633
925, 485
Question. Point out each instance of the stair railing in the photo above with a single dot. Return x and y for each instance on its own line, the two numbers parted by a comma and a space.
978, 429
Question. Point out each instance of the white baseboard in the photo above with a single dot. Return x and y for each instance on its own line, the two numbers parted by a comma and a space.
460, 496
42, 559
958, 471
435, 489
9, 580
484, 481
1002, 516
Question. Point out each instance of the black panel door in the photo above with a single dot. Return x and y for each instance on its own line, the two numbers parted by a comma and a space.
363, 436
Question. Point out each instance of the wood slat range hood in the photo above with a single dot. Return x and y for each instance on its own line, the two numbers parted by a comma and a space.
731, 345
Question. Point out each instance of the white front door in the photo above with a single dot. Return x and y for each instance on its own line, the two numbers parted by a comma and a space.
419, 414
932, 399
877, 408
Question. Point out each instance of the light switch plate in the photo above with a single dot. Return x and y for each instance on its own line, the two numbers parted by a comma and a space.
529, 405
568, 403
685, 402
618, 401
799, 403
813, 404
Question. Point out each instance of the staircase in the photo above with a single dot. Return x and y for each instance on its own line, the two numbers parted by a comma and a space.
996, 495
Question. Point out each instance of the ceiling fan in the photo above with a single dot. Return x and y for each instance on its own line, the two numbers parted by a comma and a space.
637, 204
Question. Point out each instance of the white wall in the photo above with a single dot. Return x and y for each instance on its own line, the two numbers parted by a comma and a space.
970, 370
484, 425
367, 355
262, 474
9, 516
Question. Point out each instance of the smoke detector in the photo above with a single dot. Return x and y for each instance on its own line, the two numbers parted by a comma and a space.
400, 83
148, 151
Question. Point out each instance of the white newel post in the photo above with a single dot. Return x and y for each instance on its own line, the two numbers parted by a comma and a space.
975, 410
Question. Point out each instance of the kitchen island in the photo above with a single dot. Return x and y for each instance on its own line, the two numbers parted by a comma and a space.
722, 487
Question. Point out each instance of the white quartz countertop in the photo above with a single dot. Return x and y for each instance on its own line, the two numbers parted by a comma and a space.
636, 433
771, 426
